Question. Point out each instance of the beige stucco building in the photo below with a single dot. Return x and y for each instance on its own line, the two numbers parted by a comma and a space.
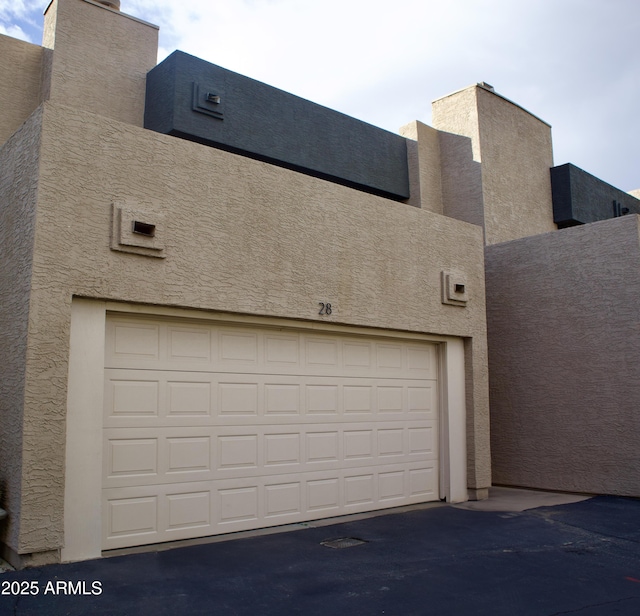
186, 384
195, 341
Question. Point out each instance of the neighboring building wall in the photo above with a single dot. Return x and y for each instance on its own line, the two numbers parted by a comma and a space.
101, 58
564, 346
514, 149
241, 236
20, 77
19, 162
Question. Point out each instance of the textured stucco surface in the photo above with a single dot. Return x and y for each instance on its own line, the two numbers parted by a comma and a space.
461, 179
423, 153
581, 198
20, 74
101, 58
456, 118
269, 124
241, 236
564, 324
516, 156
514, 148
19, 158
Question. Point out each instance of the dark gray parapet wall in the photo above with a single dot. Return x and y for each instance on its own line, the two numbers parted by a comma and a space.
580, 198
196, 100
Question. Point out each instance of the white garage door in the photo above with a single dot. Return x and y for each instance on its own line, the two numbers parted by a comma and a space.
213, 428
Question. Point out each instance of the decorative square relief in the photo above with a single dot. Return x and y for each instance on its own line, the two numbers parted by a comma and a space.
208, 99
136, 230
454, 289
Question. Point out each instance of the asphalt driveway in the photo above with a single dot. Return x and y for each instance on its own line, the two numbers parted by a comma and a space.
580, 558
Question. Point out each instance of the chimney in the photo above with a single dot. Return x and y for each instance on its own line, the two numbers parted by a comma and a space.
100, 59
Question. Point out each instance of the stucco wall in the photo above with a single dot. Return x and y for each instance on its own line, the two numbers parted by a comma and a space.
101, 58
516, 156
563, 321
515, 151
456, 119
20, 74
461, 179
241, 236
423, 153
19, 158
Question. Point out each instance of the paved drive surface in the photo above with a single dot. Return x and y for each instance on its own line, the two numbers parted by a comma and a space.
581, 558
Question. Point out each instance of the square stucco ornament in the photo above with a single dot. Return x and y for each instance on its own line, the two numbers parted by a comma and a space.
137, 231
454, 289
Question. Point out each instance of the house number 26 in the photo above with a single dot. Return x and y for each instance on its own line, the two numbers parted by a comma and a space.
325, 309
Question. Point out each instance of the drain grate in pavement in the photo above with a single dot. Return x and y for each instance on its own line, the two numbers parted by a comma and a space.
345, 542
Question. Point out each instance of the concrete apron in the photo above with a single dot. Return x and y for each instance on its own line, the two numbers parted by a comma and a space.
518, 499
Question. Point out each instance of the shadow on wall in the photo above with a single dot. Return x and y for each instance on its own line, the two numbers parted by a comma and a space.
461, 180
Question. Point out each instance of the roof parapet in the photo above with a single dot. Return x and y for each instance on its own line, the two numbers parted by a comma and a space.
112, 4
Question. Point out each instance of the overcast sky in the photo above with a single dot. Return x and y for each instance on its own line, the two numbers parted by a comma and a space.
573, 63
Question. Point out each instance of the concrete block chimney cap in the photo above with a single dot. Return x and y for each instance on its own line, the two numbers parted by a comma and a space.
112, 4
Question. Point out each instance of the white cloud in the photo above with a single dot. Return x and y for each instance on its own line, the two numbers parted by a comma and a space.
22, 19
14, 31
20, 9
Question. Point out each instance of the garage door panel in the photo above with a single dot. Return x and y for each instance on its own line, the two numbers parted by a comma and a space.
358, 356
131, 458
391, 442
186, 397
133, 341
423, 483
188, 511
238, 399
149, 397
148, 344
358, 399
283, 500
187, 455
321, 353
181, 455
213, 428
150, 514
282, 351
191, 344
322, 399
391, 485
282, 449
132, 519
421, 361
283, 398
133, 397
238, 348
423, 441
156, 397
